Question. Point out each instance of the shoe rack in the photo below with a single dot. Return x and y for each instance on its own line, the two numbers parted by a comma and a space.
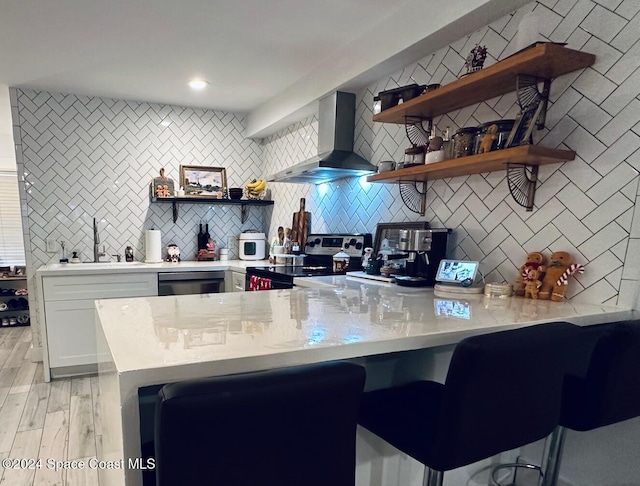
14, 299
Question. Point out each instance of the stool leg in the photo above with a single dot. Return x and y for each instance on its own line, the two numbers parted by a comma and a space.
554, 458
432, 477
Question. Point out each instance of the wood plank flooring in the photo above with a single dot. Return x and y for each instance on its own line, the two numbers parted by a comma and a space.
44, 420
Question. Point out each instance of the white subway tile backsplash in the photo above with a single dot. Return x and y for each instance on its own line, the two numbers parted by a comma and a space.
603, 23
517, 228
493, 239
540, 218
601, 291
543, 238
617, 153
607, 212
559, 133
550, 187
576, 201
628, 9
589, 146
589, 115
625, 219
603, 240
594, 86
611, 183
571, 227
621, 123
623, 95
572, 19
626, 66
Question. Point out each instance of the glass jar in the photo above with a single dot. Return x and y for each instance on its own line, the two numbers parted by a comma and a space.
463, 142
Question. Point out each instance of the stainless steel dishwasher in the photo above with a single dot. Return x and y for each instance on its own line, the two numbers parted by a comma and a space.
185, 283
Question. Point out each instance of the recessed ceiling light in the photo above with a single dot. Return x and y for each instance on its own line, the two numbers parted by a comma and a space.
198, 84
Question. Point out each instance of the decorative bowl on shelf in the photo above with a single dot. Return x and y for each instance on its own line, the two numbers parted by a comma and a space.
235, 192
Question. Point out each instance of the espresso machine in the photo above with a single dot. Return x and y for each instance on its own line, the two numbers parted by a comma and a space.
425, 249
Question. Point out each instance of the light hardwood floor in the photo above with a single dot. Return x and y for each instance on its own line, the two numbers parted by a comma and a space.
52, 421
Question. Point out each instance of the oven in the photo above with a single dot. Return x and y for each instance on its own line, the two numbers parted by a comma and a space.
318, 261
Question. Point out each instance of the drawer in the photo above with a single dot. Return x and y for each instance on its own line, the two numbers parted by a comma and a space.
87, 287
237, 281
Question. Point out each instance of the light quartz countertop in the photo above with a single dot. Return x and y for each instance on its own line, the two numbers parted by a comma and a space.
154, 340
341, 317
142, 267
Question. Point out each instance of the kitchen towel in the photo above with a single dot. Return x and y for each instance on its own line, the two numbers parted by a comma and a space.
153, 246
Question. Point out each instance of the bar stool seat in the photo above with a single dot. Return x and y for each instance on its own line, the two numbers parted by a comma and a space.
502, 391
601, 388
290, 427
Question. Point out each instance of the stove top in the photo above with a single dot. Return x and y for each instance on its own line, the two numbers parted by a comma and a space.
304, 271
319, 251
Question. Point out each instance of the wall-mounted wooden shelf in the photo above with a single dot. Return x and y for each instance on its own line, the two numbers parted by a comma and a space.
476, 164
244, 203
546, 61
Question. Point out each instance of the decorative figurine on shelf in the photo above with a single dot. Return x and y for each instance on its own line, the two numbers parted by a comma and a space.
535, 260
368, 253
532, 282
556, 278
162, 186
487, 139
173, 253
476, 58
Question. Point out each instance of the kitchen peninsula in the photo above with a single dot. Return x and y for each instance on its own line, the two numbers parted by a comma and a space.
398, 334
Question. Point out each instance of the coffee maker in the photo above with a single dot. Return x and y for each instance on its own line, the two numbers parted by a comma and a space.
425, 249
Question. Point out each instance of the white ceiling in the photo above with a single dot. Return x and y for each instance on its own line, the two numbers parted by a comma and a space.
271, 59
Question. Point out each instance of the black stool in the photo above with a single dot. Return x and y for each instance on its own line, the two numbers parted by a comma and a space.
290, 427
502, 391
603, 390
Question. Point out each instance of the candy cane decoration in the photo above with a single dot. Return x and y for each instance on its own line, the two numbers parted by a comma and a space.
571, 270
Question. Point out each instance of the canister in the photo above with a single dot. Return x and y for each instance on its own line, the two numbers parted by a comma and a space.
340, 262
463, 142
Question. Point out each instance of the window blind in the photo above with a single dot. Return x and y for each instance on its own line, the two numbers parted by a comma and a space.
11, 240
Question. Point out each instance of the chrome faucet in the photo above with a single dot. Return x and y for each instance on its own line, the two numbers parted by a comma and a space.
96, 243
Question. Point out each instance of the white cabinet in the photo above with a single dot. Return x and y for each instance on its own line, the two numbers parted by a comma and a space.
70, 312
234, 281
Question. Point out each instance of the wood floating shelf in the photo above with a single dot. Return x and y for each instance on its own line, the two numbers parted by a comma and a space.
545, 61
531, 155
212, 201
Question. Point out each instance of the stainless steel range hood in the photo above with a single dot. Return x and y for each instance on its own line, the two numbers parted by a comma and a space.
336, 158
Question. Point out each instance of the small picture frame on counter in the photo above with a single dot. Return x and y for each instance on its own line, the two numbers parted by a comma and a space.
198, 181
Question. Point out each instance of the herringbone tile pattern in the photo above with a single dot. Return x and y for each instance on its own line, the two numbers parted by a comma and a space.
92, 157
587, 206
82, 157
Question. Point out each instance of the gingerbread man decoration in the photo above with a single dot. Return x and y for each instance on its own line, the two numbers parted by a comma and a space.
556, 278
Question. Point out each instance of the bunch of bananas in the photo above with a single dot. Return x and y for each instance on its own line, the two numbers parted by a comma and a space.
255, 188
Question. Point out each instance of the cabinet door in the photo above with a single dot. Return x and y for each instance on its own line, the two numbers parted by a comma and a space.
237, 282
71, 335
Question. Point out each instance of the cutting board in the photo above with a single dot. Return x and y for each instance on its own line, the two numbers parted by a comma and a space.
300, 226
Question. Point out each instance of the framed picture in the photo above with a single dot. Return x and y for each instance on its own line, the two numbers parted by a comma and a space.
387, 238
203, 181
